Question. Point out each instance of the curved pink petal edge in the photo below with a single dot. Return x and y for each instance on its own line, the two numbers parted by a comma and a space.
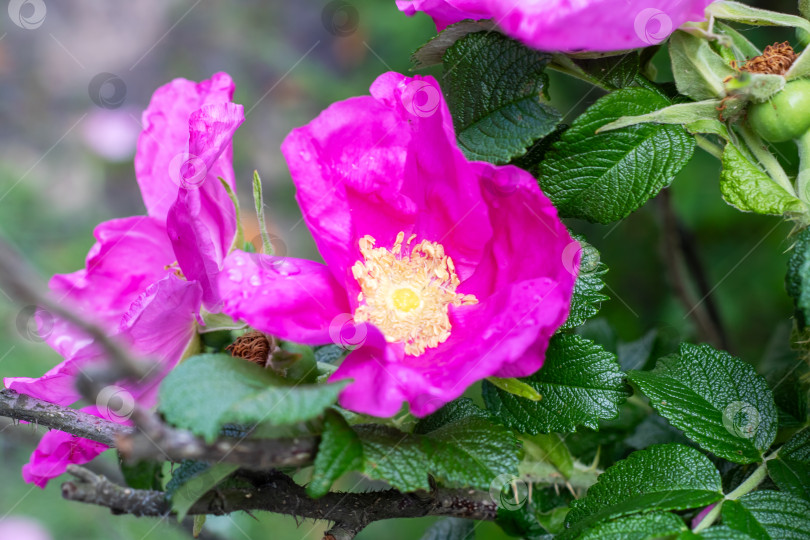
55, 451
202, 221
562, 25
163, 145
389, 162
445, 12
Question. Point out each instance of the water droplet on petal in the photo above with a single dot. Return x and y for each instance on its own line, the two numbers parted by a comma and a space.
305, 155
239, 261
235, 275
287, 268
255, 280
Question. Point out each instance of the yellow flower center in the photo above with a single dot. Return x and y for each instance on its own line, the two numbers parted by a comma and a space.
406, 293
405, 300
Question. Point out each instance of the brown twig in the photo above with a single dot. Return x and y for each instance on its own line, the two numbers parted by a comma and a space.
29, 409
276, 492
680, 255
154, 440
267, 489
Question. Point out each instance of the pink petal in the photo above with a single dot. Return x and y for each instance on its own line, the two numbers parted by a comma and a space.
58, 384
55, 451
566, 25
129, 254
376, 186
375, 365
157, 327
202, 221
597, 25
445, 12
165, 138
290, 298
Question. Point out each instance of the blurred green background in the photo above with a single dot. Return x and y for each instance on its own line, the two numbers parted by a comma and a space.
66, 165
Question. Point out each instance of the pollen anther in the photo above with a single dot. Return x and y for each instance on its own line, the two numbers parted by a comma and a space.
406, 292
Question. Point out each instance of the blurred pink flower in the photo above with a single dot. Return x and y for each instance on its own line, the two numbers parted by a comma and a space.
112, 134
570, 25
147, 277
23, 528
444, 271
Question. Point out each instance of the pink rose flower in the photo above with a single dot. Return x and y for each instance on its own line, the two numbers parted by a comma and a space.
147, 278
445, 271
570, 25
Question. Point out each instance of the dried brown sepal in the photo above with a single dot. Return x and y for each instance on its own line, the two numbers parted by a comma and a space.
776, 59
263, 350
253, 346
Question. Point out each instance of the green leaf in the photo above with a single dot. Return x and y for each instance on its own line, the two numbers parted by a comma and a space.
258, 202
549, 448
735, 11
451, 529
515, 387
239, 236
519, 520
604, 177
680, 113
580, 382
766, 515
495, 88
791, 470
245, 393
746, 187
216, 322
717, 400
612, 72
431, 53
181, 474
699, 71
587, 298
454, 411
797, 281
339, 451
718, 532
743, 49
191, 487
470, 452
661, 477
143, 475
637, 527
536, 153
198, 524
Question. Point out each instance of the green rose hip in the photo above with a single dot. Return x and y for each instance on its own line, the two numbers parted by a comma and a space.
784, 117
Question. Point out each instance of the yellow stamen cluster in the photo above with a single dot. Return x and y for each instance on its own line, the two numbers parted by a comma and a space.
175, 267
406, 293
